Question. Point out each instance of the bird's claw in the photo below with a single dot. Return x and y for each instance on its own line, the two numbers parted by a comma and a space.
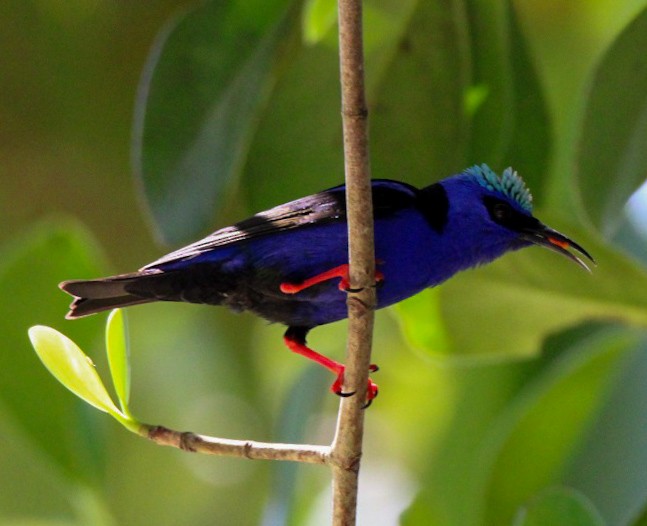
371, 389
344, 283
369, 401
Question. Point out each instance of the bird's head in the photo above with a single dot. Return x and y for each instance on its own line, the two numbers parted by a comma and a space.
495, 215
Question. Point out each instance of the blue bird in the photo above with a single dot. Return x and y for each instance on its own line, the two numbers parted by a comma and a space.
289, 264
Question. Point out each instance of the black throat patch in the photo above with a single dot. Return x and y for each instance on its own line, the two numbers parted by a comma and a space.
434, 206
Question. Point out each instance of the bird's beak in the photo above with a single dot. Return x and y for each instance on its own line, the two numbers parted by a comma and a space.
547, 237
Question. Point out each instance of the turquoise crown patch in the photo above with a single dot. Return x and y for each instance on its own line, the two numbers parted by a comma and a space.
509, 184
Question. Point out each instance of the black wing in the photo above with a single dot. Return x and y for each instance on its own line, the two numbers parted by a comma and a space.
325, 207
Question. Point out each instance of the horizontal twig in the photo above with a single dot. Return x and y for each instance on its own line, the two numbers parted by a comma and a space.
187, 441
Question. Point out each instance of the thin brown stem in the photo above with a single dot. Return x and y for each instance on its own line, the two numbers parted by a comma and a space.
236, 448
347, 445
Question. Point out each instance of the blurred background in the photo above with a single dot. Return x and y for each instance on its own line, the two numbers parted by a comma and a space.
515, 391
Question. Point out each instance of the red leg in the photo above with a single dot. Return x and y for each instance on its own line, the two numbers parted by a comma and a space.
295, 340
338, 272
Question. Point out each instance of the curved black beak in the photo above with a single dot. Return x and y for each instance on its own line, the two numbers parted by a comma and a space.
552, 239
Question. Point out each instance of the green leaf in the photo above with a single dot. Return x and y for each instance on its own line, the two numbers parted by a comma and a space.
75, 370
536, 438
475, 96
473, 397
417, 66
39, 522
530, 146
70, 366
419, 130
641, 520
206, 82
563, 506
296, 149
419, 513
492, 125
430, 335
611, 465
118, 351
319, 17
511, 126
611, 155
516, 426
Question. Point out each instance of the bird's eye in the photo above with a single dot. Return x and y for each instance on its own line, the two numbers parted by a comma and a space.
501, 212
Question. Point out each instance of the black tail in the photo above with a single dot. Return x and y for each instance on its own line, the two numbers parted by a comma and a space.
92, 296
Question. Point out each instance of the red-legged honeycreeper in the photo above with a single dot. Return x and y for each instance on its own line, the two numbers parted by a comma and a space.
289, 264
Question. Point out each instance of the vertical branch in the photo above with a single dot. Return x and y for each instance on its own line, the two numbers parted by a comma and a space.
347, 445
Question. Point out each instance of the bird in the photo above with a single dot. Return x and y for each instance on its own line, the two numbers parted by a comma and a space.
289, 264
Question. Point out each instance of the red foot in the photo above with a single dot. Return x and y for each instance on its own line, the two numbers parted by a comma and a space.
338, 272
372, 389
295, 341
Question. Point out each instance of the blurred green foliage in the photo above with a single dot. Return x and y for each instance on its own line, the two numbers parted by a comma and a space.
514, 394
